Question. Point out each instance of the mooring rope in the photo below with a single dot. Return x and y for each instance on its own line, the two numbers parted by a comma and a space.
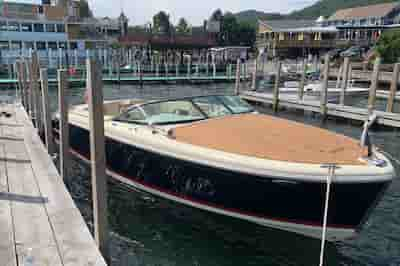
329, 177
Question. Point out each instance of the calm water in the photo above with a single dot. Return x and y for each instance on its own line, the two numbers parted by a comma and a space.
151, 231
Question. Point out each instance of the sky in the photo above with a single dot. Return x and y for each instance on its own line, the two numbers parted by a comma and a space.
140, 12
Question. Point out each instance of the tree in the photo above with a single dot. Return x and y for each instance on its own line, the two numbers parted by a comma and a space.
388, 46
161, 23
217, 15
182, 27
84, 9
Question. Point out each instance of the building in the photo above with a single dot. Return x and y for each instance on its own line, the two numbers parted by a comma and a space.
55, 25
361, 26
294, 38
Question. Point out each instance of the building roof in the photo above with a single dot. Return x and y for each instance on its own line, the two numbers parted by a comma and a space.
283, 24
378, 10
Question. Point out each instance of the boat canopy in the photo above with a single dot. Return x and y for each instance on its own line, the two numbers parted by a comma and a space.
184, 110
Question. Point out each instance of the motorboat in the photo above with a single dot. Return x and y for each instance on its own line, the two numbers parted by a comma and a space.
312, 90
217, 154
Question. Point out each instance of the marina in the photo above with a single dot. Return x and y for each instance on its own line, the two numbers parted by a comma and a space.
271, 141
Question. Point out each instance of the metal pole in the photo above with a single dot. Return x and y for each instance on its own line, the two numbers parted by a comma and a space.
97, 155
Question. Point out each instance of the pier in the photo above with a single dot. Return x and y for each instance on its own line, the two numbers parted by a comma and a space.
39, 222
339, 110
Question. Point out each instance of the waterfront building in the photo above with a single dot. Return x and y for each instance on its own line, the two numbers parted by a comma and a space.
361, 26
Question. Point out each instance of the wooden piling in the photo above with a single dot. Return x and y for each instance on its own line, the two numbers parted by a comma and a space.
25, 85
275, 103
36, 91
32, 108
237, 83
374, 85
254, 81
63, 122
324, 89
214, 70
48, 131
339, 77
97, 155
177, 69
393, 87
345, 80
302, 80
20, 82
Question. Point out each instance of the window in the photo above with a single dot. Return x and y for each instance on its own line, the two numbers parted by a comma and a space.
168, 112
3, 26
211, 106
50, 28
60, 28
73, 45
41, 45
4, 45
236, 104
13, 26
62, 45
29, 45
52, 45
26, 27
16, 45
38, 27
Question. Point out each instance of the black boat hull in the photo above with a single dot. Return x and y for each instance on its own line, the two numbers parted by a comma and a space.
295, 206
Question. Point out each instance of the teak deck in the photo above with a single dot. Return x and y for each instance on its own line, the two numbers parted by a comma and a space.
37, 214
271, 138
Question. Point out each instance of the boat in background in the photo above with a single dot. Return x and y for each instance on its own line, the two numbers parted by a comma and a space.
216, 154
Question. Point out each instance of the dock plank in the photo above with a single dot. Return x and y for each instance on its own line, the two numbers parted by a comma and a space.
7, 243
33, 232
75, 242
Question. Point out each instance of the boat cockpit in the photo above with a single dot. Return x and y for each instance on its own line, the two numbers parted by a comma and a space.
185, 110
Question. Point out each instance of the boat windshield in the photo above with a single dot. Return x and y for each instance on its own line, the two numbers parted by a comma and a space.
184, 111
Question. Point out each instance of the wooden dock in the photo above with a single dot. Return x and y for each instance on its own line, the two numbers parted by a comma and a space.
9, 83
336, 110
39, 221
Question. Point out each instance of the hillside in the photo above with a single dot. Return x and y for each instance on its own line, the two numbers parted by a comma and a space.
328, 7
251, 16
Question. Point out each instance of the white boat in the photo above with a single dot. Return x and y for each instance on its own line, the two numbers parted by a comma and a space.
216, 154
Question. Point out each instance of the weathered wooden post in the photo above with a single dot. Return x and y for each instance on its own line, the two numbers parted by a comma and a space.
339, 76
345, 81
393, 87
166, 69
177, 69
197, 70
324, 89
76, 62
157, 70
36, 91
63, 122
254, 81
25, 85
19, 66
98, 157
302, 80
189, 67
214, 70
237, 83
374, 85
275, 104
48, 130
